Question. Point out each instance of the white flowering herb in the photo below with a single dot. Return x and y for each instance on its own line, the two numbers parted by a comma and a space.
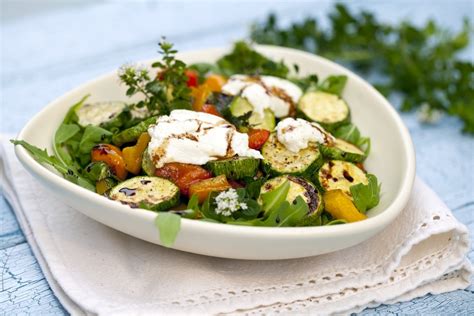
228, 202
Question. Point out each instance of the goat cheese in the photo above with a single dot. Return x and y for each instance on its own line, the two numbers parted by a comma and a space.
265, 92
195, 138
296, 134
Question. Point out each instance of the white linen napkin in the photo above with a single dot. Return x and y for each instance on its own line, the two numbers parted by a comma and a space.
94, 269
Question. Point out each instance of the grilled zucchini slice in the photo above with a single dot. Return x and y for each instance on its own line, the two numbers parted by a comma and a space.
241, 106
235, 167
342, 150
279, 160
298, 187
147, 165
151, 193
131, 134
340, 175
104, 114
329, 110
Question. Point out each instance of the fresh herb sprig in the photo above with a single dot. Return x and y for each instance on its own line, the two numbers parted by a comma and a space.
164, 92
420, 64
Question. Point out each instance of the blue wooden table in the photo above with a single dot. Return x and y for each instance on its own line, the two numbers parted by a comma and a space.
48, 47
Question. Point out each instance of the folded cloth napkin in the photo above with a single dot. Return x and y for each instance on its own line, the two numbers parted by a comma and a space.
93, 269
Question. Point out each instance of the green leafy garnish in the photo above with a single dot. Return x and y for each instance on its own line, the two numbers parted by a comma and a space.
168, 225
69, 172
418, 63
274, 198
366, 196
286, 214
168, 91
351, 134
244, 60
92, 136
333, 84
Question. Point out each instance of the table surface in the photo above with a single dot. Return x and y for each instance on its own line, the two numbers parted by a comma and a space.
49, 47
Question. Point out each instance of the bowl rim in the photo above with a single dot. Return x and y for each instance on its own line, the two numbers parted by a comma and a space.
371, 223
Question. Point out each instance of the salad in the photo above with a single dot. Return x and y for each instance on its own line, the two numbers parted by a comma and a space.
243, 141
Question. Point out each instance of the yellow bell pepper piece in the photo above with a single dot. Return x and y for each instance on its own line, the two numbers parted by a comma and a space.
133, 155
340, 206
215, 82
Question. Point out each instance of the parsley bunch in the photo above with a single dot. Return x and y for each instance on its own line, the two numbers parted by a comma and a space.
418, 63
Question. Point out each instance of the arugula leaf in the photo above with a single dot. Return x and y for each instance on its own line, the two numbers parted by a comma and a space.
308, 82
333, 84
351, 134
286, 214
92, 136
244, 60
71, 114
97, 170
366, 196
168, 225
69, 172
274, 198
66, 132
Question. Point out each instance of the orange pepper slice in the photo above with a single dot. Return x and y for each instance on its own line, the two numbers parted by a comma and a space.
133, 155
215, 82
340, 206
112, 156
204, 187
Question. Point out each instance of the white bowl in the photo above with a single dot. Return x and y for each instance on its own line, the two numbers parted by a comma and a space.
392, 160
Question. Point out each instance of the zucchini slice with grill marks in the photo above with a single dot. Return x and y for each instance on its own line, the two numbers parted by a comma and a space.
131, 134
147, 165
235, 167
103, 114
337, 174
298, 187
279, 160
241, 106
151, 193
342, 150
327, 109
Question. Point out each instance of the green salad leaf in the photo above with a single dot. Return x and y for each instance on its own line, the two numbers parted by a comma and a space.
350, 133
366, 196
92, 136
66, 132
286, 214
168, 225
274, 198
69, 172
333, 84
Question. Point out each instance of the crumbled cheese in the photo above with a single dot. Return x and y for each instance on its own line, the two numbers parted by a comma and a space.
196, 138
228, 202
296, 134
265, 92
